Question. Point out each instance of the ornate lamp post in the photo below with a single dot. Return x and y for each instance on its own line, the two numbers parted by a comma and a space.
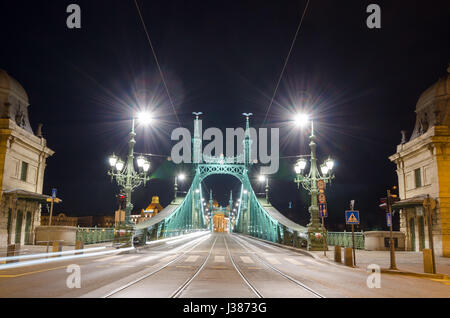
309, 182
124, 173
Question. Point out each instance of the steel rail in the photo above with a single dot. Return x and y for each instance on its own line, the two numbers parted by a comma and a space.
288, 277
180, 289
117, 290
253, 289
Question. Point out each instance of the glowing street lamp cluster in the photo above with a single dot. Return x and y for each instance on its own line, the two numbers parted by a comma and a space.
309, 182
124, 172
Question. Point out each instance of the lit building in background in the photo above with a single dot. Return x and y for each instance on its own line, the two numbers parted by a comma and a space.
152, 209
423, 168
23, 156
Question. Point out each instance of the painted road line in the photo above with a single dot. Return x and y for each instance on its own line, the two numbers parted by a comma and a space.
104, 259
127, 259
219, 259
191, 259
29, 273
219, 267
252, 267
183, 266
167, 258
293, 261
273, 260
247, 260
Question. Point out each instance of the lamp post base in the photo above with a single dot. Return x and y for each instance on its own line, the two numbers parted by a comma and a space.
316, 240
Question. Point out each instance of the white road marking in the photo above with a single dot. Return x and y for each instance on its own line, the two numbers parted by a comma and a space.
129, 258
293, 261
191, 259
246, 259
273, 260
104, 259
167, 258
219, 259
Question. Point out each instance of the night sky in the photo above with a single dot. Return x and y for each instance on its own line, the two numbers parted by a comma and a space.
224, 58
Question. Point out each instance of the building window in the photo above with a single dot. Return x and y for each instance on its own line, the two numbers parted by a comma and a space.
418, 178
24, 171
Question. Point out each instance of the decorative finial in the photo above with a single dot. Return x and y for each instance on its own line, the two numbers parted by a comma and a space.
39, 130
247, 114
403, 132
197, 114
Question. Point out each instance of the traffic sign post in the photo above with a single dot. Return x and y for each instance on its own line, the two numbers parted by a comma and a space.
391, 237
352, 217
323, 212
388, 219
51, 213
429, 204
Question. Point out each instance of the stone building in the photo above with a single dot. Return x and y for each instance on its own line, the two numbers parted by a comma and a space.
23, 156
152, 209
59, 220
423, 168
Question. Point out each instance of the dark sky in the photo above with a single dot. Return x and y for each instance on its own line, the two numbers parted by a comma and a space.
224, 58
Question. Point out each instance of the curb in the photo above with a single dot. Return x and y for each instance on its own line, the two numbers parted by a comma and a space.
414, 274
328, 261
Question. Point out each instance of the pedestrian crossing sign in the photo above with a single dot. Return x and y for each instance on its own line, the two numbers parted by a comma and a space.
352, 217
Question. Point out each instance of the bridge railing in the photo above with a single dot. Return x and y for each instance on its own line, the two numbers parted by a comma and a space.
344, 239
93, 235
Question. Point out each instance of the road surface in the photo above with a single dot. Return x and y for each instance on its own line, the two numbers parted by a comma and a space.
210, 266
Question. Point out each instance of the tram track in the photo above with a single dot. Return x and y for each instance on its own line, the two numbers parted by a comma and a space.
286, 276
130, 284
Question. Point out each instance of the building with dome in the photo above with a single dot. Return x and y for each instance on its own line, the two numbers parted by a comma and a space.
23, 155
423, 168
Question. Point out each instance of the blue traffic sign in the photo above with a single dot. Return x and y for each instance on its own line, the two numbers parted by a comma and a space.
352, 217
53, 193
388, 219
323, 211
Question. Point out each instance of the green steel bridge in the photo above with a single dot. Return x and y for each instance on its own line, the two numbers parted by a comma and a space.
255, 216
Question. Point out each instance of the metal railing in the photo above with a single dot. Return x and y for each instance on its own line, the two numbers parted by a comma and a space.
93, 235
344, 239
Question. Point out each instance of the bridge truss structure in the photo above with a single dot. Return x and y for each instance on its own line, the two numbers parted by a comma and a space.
255, 216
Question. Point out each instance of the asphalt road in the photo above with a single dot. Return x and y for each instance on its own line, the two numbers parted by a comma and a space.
217, 265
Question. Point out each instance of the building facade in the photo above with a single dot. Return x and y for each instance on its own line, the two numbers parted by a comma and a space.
423, 168
152, 209
23, 156
61, 220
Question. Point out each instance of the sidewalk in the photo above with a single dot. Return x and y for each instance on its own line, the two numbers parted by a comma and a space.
406, 261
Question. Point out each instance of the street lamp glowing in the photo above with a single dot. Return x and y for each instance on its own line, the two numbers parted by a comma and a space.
113, 160
197, 191
300, 165
140, 161
119, 165
324, 168
261, 178
181, 176
301, 119
245, 191
144, 118
146, 166
330, 163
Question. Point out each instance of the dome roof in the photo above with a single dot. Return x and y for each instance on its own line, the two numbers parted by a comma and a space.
433, 106
10, 85
437, 91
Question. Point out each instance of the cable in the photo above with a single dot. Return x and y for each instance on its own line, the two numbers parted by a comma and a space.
286, 61
157, 63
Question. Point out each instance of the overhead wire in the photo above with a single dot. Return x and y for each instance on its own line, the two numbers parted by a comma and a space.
157, 62
286, 62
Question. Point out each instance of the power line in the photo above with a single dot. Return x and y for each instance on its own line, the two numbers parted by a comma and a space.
286, 62
156, 59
